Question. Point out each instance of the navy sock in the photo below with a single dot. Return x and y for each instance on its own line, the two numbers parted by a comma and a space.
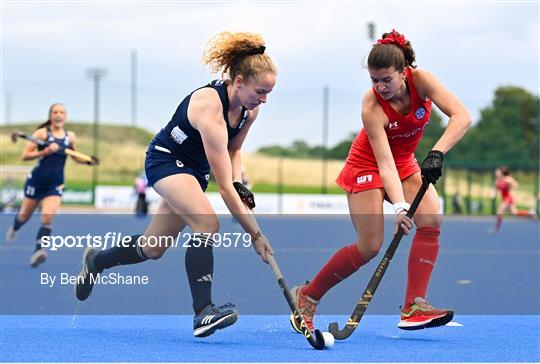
131, 253
199, 268
44, 230
17, 224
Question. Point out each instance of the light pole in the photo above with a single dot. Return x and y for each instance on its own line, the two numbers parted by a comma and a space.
95, 74
325, 140
8, 108
371, 31
133, 87
536, 121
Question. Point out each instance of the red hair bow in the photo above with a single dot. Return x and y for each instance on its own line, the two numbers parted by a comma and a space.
393, 38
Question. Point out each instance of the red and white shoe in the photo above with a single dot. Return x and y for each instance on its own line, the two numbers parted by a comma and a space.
307, 307
421, 315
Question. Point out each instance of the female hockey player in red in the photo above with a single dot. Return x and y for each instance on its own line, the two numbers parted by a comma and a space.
381, 162
505, 183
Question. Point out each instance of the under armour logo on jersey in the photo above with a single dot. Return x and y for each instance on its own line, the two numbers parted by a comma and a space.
207, 319
393, 125
179, 164
206, 278
420, 113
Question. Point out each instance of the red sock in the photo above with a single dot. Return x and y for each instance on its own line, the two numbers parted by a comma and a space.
345, 262
422, 257
498, 223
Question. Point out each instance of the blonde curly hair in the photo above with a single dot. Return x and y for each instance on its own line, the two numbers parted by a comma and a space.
238, 54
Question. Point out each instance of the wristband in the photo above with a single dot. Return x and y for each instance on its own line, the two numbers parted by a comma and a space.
257, 236
400, 207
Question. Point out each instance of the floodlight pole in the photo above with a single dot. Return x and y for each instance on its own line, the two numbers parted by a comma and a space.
95, 74
325, 141
133, 87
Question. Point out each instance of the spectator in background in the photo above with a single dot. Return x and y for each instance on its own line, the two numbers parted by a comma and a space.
141, 184
457, 203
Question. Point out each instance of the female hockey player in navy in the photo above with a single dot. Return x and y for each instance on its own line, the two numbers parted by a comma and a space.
45, 183
205, 135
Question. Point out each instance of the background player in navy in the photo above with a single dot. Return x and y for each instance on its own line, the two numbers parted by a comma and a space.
45, 183
205, 134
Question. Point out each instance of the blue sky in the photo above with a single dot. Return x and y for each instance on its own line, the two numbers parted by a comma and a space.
473, 47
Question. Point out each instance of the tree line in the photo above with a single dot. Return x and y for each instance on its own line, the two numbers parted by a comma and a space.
506, 133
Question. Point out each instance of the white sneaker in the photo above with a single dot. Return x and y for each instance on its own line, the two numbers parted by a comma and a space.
39, 257
11, 235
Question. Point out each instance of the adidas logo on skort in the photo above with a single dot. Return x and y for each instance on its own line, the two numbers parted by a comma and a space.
420, 113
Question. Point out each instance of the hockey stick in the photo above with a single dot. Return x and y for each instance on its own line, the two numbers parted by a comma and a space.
91, 160
363, 303
316, 341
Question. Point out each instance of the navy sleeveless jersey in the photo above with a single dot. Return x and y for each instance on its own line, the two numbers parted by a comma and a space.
49, 170
184, 141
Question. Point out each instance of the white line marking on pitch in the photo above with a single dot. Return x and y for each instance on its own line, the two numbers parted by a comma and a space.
454, 323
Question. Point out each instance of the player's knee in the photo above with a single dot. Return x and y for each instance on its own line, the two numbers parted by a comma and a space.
208, 224
24, 217
370, 252
153, 252
369, 246
428, 220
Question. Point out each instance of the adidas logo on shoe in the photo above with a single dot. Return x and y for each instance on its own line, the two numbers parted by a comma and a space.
214, 318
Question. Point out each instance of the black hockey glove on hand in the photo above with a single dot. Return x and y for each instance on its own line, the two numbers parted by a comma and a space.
432, 166
245, 194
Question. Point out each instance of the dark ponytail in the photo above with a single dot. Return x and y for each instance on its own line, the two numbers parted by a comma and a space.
47, 124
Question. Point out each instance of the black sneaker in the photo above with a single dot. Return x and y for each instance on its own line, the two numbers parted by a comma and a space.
214, 318
88, 275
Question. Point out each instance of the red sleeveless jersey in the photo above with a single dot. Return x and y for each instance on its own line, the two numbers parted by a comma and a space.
403, 131
503, 186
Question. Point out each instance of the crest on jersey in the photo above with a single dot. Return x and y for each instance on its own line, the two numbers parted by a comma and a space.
420, 113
